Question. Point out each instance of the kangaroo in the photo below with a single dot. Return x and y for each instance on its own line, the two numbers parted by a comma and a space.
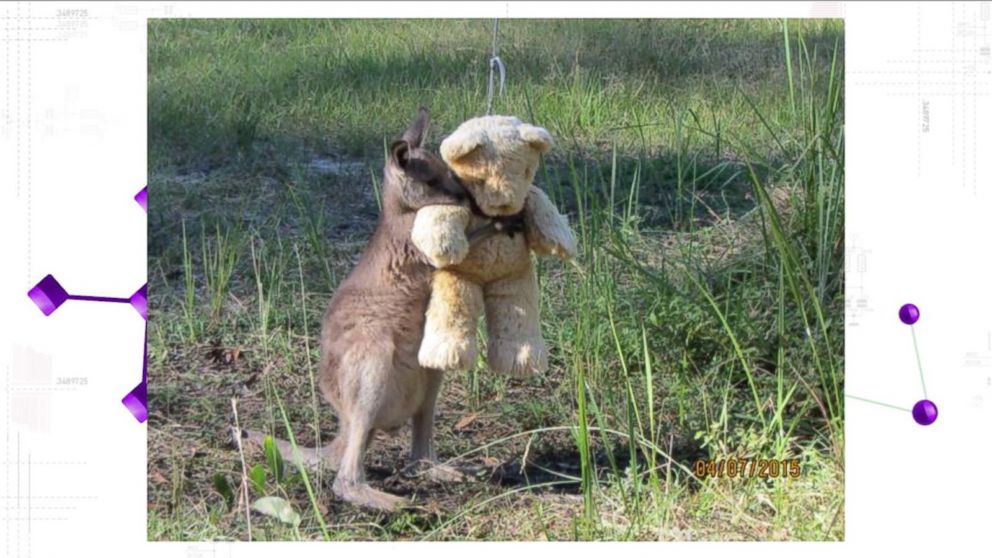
373, 328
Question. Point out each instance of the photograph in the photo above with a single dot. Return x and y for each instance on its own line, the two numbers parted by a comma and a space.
502, 279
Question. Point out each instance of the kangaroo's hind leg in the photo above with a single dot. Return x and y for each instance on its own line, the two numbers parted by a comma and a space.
363, 375
422, 451
350, 484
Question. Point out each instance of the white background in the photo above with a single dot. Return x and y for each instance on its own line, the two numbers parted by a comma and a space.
73, 154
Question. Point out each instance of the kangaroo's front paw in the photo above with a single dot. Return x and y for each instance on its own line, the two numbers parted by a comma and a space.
518, 358
447, 352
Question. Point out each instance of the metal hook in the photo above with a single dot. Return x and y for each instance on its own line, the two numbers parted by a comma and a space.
495, 64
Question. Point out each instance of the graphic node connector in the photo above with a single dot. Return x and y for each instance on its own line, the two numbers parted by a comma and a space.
924, 411
49, 295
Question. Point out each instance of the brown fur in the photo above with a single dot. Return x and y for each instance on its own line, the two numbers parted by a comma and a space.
373, 328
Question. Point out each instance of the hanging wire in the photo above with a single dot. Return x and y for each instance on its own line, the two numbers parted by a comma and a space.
495, 64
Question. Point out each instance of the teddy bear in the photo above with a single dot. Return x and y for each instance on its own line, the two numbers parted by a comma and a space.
495, 158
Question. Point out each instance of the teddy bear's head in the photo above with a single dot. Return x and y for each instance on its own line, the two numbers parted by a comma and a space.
496, 158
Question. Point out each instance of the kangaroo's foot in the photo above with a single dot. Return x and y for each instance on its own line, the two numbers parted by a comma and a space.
432, 470
361, 494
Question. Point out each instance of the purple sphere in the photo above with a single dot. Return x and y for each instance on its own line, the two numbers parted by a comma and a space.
924, 412
909, 313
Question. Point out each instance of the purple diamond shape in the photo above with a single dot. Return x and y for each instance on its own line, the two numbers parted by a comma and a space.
48, 295
140, 301
142, 198
135, 401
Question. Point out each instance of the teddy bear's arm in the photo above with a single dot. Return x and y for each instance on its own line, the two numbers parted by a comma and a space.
546, 229
439, 233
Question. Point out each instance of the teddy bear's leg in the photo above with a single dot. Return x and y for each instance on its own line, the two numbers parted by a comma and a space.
452, 315
514, 325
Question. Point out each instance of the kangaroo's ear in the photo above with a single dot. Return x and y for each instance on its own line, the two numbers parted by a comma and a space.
537, 137
403, 157
399, 154
415, 134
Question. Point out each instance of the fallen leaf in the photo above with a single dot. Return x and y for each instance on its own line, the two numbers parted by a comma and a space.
465, 421
233, 355
277, 508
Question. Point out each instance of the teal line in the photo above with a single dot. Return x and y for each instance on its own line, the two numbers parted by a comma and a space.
918, 363
878, 403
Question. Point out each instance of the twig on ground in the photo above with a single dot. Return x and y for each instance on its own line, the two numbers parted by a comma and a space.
243, 500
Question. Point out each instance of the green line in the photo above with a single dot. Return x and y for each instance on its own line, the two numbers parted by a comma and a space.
878, 403
918, 363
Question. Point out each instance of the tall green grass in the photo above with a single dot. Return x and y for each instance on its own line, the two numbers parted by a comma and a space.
796, 272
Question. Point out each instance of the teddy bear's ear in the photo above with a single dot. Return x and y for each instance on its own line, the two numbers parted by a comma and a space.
537, 137
460, 145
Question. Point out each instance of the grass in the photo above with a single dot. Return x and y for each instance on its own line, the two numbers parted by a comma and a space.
701, 165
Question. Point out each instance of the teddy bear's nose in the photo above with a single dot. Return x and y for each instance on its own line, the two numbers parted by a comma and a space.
504, 209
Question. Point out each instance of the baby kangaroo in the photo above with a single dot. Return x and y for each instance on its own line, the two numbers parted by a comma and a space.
373, 327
